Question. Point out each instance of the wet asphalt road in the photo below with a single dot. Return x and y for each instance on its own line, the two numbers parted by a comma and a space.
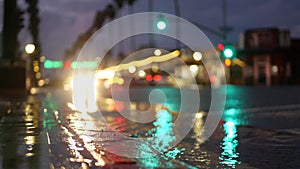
259, 129
22, 137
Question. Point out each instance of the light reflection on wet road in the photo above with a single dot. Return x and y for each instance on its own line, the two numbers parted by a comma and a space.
21, 135
259, 129
250, 121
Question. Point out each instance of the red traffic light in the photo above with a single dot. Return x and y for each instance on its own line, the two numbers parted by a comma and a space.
220, 46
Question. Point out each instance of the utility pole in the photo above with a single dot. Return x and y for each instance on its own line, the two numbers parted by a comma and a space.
224, 19
177, 13
224, 28
132, 24
151, 37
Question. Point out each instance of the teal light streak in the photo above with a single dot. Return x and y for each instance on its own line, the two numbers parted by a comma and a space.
159, 141
230, 156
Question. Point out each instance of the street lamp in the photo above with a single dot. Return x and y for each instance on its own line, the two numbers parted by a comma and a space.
131, 69
29, 49
157, 52
42, 59
197, 56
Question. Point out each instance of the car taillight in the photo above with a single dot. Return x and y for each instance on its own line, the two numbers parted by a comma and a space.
149, 78
157, 78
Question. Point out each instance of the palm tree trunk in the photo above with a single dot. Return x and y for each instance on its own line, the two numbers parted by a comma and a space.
9, 40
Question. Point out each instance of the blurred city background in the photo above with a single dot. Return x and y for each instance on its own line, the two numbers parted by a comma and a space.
49, 118
262, 50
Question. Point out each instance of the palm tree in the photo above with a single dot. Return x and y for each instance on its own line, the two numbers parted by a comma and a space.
34, 21
108, 13
10, 30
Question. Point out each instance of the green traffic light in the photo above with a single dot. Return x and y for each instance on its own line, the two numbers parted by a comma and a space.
161, 24
229, 52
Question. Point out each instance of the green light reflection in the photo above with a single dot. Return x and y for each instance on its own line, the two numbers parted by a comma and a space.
159, 141
230, 156
234, 115
49, 121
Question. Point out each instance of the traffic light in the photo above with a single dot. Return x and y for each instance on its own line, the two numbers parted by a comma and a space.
220, 47
227, 62
161, 24
229, 52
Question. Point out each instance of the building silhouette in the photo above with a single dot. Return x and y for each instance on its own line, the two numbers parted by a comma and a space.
271, 57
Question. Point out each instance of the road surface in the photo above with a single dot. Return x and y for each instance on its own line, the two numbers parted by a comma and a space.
259, 129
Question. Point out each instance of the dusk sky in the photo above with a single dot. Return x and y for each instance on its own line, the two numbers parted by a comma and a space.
63, 20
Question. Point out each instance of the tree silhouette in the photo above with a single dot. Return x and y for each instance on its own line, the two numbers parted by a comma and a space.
100, 17
34, 23
12, 25
10, 30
